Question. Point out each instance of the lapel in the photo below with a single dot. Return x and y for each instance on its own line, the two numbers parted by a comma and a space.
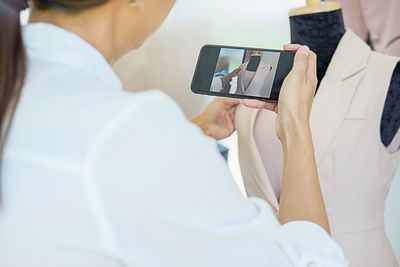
240, 76
329, 108
259, 76
336, 91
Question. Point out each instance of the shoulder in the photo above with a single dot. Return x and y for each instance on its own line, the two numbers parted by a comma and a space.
153, 116
145, 111
64, 115
153, 129
76, 95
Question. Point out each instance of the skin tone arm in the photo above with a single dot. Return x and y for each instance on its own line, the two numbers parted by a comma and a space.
217, 119
228, 77
301, 197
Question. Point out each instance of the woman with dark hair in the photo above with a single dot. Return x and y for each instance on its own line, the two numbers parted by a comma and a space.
94, 176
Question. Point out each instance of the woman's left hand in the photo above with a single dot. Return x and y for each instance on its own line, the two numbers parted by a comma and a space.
217, 119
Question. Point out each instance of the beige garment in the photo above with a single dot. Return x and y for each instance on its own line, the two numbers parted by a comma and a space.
355, 171
257, 83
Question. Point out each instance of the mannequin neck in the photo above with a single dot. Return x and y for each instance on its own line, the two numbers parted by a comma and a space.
321, 32
253, 63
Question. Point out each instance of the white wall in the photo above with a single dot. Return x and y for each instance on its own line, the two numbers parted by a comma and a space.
168, 59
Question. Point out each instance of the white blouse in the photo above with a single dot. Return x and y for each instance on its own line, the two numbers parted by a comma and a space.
94, 176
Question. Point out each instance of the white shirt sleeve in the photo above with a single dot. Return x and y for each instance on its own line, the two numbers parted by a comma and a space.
170, 200
312, 245
216, 85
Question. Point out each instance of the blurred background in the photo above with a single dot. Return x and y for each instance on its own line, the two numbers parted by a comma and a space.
167, 61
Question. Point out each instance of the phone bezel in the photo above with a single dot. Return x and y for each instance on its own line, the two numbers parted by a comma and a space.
264, 99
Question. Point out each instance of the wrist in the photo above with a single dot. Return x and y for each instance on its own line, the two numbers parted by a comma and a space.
224, 80
295, 132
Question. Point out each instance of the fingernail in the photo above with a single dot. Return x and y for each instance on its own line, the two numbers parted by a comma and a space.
305, 50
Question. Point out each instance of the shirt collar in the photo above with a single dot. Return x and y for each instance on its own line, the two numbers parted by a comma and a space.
50, 43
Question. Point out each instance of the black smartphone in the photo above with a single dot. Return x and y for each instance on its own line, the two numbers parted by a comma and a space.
241, 72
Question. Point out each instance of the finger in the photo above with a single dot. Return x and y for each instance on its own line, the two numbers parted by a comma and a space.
232, 113
250, 103
301, 61
271, 106
233, 102
291, 47
312, 69
230, 102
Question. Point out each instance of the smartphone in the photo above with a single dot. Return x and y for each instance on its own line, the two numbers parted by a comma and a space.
241, 72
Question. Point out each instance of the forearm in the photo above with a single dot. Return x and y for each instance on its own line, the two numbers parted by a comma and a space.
225, 79
301, 197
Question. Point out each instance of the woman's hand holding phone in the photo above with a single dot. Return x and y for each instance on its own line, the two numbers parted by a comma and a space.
296, 95
217, 119
301, 197
295, 101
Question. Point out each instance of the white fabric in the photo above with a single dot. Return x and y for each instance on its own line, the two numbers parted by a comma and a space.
94, 176
216, 85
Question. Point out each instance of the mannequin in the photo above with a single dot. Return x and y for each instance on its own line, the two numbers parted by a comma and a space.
355, 170
354, 167
253, 74
254, 63
319, 19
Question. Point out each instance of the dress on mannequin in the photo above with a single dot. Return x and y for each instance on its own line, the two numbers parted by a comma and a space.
251, 70
252, 77
322, 33
376, 21
260, 152
355, 170
308, 29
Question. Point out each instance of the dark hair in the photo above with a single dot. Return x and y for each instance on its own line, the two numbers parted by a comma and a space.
12, 53
67, 5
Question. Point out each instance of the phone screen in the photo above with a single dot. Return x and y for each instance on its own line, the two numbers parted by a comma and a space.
241, 72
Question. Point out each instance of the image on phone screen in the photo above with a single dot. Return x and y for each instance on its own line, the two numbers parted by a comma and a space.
240, 72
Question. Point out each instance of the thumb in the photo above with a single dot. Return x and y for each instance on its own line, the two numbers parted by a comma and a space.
301, 61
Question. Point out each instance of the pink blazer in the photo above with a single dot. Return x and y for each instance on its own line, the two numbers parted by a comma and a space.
257, 83
355, 170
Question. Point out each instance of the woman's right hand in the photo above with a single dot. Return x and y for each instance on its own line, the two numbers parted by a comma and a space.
301, 197
296, 95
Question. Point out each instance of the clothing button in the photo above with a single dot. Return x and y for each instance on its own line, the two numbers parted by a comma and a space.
312, 264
